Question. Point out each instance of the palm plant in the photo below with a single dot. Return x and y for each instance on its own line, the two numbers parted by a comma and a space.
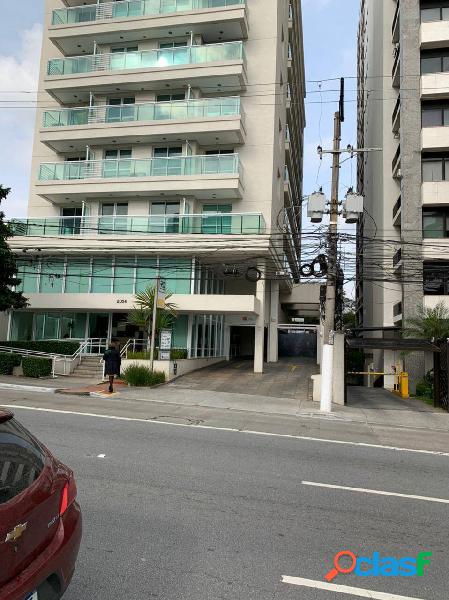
429, 323
142, 313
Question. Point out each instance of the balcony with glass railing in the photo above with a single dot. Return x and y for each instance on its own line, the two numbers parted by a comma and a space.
206, 108
214, 164
126, 9
202, 224
146, 59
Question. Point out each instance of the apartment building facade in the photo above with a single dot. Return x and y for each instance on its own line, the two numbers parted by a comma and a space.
403, 109
168, 143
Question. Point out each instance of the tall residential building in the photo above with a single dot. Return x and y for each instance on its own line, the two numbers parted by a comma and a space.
403, 109
169, 141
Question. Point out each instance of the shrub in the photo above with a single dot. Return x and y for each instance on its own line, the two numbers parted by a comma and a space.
141, 376
139, 355
424, 389
178, 354
35, 366
51, 346
8, 361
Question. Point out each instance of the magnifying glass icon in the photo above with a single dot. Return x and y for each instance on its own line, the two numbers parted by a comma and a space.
339, 569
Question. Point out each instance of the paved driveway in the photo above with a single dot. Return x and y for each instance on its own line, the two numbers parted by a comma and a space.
381, 399
289, 378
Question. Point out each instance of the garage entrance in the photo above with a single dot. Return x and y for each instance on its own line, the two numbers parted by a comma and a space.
298, 341
242, 343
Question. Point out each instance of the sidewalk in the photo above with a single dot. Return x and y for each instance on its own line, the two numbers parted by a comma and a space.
370, 408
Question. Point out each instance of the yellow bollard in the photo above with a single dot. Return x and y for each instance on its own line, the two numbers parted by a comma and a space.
403, 387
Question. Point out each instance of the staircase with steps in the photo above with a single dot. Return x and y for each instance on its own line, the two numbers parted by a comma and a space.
91, 367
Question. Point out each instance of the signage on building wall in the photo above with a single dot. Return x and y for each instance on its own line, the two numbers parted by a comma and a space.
165, 342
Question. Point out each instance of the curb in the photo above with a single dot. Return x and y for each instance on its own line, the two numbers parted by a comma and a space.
34, 388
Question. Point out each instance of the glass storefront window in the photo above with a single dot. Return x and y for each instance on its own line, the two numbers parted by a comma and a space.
51, 276
124, 276
22, 326
77, 278
177, 273
101, 276
146, 273
28, 273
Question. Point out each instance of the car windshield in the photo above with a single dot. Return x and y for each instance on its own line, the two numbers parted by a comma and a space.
21, 460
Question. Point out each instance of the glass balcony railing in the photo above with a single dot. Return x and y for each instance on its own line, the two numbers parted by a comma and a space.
133, 8
150, 111
213, 164
146, 59
206, 224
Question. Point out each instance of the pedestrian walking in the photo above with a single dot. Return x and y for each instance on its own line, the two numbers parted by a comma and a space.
112, 362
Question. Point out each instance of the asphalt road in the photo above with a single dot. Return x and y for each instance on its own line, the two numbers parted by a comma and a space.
185, 513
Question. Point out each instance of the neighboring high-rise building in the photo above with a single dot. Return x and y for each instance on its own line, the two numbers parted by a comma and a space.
169, 141
403, 109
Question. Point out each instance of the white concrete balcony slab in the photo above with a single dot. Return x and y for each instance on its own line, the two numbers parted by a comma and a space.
434, 249
431, 301
198, 176
71, 130
185, 303
213, 67
435, 138
81, 26
435, 34
435, 86
435, 193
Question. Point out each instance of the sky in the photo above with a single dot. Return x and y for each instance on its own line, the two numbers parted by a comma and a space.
330, 47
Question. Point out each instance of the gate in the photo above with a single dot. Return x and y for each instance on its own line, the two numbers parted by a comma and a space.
441, 376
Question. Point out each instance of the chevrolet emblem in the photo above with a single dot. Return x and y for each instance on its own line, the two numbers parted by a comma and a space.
16, 533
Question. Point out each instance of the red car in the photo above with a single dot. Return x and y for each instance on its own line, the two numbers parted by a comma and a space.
40, 520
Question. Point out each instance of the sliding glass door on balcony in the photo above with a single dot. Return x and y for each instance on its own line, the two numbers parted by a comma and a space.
162, 167
164, 217
113, 218
214, 220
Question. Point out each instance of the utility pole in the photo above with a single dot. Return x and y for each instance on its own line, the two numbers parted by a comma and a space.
153, 325
331, 284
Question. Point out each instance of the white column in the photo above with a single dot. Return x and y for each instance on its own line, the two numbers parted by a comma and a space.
227, 341
338, 379
260, 326
273, 332
327, 363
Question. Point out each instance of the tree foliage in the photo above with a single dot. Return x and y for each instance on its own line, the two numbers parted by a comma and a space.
142, 313
8, 268
429, 323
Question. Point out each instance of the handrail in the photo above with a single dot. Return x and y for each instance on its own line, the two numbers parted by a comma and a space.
146, 59
196, 108
176, 166
125, 9
192, 223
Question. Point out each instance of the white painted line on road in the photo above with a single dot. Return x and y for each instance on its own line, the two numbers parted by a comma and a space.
101, 456
230, 429
377, 492
27, 388
343, 589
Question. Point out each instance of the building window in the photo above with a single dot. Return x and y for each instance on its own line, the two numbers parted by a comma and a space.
119, 110
438, 12
165, 217
51, 277
217, 222
163, 167
77, 276
101, 276
435, 169
113, 218
435, 224
434, 62
436, 279
146, 273
117, 163
124, 276
434, 115
177, 273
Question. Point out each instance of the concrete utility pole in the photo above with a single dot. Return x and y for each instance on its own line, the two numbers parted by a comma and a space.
331, 285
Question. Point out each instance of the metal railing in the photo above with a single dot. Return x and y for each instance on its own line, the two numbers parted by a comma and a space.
204, 108
397, 206
211, 164
125, 9
63, 364
146, 59
205, 223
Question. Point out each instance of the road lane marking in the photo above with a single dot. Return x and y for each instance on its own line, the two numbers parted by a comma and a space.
377, 492
101, 456
229, 429
343, 589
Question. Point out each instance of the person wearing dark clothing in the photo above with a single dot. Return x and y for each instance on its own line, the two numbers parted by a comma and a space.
112, 362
